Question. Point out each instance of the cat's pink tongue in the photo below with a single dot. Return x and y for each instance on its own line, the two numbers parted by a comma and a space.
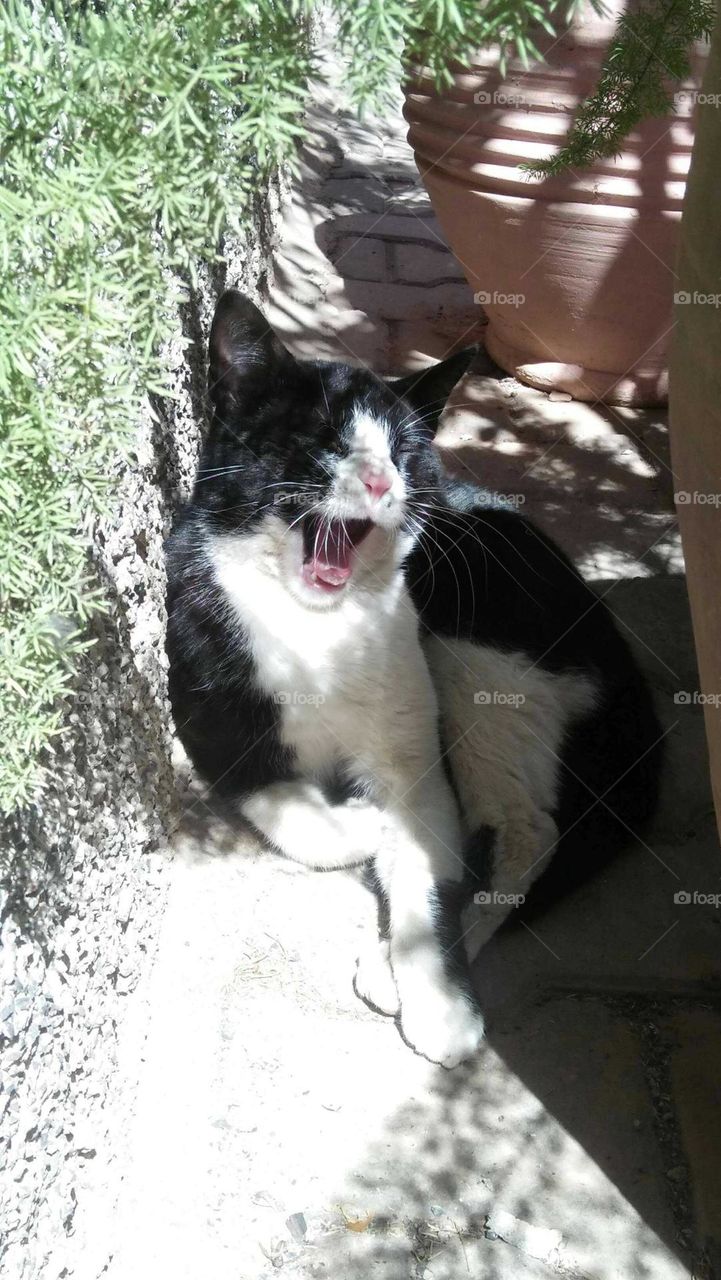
330, 566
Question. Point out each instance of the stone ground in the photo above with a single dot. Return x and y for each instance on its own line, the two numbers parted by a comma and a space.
281, 1125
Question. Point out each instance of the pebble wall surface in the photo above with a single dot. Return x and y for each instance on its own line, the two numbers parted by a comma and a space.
84, 875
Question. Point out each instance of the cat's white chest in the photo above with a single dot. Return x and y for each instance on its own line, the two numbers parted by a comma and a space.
333, 673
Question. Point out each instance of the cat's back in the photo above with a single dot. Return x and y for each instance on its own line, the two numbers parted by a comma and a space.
483, 572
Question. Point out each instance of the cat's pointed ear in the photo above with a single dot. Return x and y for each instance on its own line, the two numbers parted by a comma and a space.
428, 391
243, 349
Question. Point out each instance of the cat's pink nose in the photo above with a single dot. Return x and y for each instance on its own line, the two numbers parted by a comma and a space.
376, 482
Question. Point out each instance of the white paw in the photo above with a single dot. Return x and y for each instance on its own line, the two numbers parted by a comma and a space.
447, 1028
261, 810
374, 981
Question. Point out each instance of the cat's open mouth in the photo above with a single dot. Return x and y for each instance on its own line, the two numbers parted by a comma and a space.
328, 547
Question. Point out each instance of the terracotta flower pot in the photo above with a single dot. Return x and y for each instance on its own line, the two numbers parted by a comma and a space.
576, 273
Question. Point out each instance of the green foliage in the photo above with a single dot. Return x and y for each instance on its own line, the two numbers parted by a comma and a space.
131, 137
650, 49
434, 32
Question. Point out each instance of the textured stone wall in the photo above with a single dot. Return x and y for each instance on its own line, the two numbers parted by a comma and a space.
84, 876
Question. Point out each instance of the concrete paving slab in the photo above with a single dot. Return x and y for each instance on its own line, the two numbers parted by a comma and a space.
269, 1091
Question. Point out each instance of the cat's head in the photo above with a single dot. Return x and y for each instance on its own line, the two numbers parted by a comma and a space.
330, 467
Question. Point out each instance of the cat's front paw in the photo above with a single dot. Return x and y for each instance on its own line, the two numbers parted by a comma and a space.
261, 808
374, 981
445, 1028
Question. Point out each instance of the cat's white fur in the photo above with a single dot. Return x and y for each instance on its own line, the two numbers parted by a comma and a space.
504, 720
370, 452
355, 695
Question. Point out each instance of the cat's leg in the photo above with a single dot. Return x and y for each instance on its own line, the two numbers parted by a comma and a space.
512, 837
421, 872
374, 981
506, 720
419, 869
298, 820
503, 865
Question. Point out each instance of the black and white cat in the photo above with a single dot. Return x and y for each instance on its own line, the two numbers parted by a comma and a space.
382, 665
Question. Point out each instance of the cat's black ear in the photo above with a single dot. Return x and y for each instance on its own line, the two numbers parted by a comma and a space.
243, 349
427, 391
